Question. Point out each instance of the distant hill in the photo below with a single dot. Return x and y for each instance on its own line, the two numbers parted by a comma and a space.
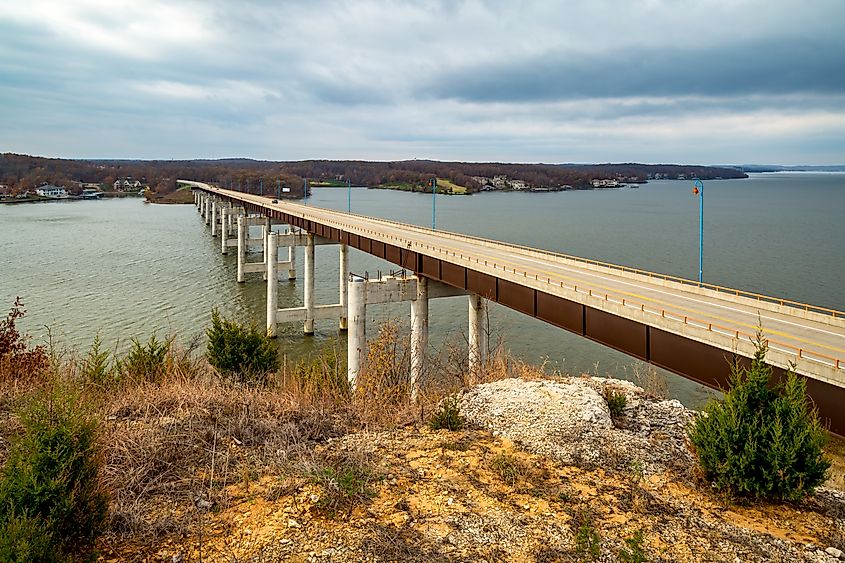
796, 168
23, 172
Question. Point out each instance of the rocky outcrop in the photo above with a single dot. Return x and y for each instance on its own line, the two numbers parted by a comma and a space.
569, 419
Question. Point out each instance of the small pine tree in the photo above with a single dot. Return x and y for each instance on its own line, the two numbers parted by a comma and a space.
241, 352
52, 504
761, 441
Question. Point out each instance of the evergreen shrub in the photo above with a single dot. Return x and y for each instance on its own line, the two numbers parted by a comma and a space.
147, 362
448, 416
761, 441
243, 353
52, 504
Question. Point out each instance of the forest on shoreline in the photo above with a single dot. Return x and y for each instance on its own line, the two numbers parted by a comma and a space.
20, 173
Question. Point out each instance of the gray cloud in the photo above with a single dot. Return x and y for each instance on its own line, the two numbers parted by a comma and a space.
582, 80
770, 67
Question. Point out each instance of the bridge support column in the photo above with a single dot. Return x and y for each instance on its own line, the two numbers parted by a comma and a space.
356, 350
291, 263
292, 258
225, 212
419, 335
477, 347
343, 289
241, 247
390, 289
272, 283
309, 285
265, 249
214, 206
205, 209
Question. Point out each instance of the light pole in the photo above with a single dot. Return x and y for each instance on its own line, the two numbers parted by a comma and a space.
434, 204
305, 192
261, 184
348, 195
278, 188
698, 189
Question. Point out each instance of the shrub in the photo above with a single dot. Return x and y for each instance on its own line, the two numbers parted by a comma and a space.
616, 402
448, 416
52, 506
633, 552
16, 358
242, 353
24, 539
587, 538
508, 468
761, 441
96, 367
146, 362
345, 481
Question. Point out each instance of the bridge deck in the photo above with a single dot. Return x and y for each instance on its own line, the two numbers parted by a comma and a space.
609, 299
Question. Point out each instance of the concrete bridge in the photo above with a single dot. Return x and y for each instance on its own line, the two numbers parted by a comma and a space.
690, 329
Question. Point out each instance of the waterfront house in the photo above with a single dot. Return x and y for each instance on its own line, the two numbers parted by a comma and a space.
126, 184
51, 191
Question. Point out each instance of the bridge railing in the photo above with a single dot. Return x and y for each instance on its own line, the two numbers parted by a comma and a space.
653, 275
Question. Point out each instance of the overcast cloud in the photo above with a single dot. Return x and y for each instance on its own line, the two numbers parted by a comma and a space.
716, 81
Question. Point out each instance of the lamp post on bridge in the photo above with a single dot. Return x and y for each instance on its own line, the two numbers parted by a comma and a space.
433, 204
261, 188
698, 189
348, 195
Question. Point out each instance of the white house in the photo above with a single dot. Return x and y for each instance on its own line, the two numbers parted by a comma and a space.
126, 184
51, 191
605, 183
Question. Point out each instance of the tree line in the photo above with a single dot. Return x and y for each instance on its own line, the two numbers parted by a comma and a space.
20, 173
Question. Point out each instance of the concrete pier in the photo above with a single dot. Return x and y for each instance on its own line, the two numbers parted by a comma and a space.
343, 287
272, 283
356, 338
476, 337
418, 291
291, 263
309, 285
419, 335
224, 229
214, 206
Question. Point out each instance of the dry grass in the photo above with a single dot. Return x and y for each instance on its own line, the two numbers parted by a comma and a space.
174, 444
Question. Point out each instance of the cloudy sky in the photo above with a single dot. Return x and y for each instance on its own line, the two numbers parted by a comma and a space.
707, 81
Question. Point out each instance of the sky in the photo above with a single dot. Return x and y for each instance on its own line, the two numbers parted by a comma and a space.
657, 81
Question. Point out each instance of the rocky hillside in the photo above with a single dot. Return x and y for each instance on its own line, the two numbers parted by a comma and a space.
542, 471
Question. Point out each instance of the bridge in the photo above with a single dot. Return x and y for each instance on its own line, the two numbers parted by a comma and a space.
694, 330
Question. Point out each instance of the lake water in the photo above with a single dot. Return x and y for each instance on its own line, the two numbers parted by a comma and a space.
126, 269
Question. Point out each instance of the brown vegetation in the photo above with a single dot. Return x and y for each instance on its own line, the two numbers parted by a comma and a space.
22, 172
199, 468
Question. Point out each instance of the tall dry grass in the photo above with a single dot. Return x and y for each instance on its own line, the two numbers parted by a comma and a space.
175, 434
